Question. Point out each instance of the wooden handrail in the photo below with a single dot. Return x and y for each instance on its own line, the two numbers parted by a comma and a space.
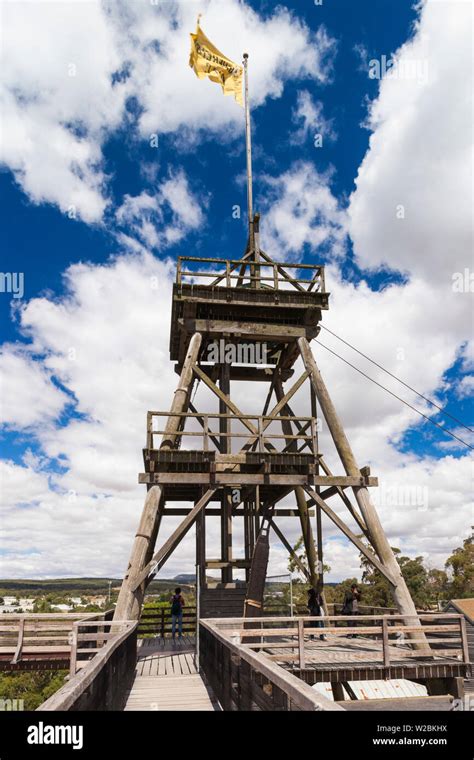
261, 422
277, 273
21, 630
381, 627
100, 637
297, 693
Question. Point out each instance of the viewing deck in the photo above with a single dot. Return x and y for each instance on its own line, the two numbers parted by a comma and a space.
258, 453
267, 303
264, 663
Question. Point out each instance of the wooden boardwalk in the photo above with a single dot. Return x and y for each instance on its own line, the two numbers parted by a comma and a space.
166, 678
339, 650
339, 658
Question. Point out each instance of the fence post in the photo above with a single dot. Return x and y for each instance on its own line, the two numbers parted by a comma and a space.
465, 648
198, 613
260, 436
226, 671
162, 632
301, 643
19, 644
73, 660
245, 686
385, 649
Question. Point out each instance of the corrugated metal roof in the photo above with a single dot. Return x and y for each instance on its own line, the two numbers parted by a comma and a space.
465, 606
396, 687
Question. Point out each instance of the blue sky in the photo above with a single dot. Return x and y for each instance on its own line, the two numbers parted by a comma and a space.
86, 143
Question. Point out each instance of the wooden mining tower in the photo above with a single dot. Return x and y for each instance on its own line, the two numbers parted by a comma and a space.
237, 466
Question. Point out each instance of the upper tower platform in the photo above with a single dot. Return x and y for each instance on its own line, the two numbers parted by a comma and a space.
245, 301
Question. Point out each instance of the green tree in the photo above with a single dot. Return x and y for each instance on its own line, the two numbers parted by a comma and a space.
33, 687
460, 568
300, 552
438, 583
375, 588
416, 578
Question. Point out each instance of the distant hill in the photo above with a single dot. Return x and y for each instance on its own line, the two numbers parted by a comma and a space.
91, 585
185, 578
65, 585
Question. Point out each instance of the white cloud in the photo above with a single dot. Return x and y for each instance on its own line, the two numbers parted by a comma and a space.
420, 157
465, 387
58, 102
308, 116
28, 395
21, 485
144, 214
92, 58
300, 210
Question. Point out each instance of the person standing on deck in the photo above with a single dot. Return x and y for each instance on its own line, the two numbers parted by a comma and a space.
177, 604
351, 607
315, 606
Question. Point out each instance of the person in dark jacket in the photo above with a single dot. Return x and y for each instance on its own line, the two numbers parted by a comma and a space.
351, 607
315, 607
177, 604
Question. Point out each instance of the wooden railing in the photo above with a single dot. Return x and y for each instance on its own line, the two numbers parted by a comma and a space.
103, 681
245, 680
82, 639
271, 274
261, 441
297, 641
30, 636
157, 622
334, 608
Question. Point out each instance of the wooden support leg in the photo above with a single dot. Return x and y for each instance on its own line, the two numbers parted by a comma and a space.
226, 499
156, 528
129, 602
378, 538
303, 511
307, 532
338, 692
201, 548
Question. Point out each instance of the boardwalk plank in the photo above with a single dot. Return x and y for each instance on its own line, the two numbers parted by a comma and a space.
166, 678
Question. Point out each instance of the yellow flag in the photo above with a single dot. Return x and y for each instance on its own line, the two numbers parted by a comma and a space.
208, 61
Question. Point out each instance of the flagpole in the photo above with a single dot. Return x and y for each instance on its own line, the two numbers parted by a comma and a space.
248, 142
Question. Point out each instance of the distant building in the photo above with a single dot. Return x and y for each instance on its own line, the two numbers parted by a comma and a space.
14, 604
98, 600
27, 603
